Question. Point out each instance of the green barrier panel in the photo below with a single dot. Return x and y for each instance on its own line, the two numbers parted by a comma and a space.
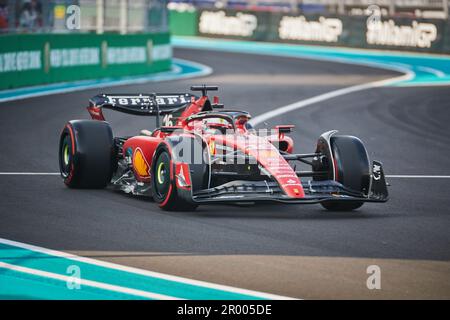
423, 35
446, 42
231, 24
408, 34
183, 23
311, 29
32, 59
333, 30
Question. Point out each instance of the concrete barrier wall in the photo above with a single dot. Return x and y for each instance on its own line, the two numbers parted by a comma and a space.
421, 35
34, 59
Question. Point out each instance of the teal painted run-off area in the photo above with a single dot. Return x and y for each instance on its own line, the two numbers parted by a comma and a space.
31, 284
424, 69
181, 69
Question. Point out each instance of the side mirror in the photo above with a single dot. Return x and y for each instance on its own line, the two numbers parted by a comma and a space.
216, 104
284, 128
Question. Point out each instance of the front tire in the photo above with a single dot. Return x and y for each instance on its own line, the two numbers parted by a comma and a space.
351, 169
341, 206
164, 188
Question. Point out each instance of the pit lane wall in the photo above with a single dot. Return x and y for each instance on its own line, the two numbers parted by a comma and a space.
35, 59
369, 32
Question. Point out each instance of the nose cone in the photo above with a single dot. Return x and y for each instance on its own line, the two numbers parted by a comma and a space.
285, 176
294, 190
271, 159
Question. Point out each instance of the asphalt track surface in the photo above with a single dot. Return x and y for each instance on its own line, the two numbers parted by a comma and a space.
291, 250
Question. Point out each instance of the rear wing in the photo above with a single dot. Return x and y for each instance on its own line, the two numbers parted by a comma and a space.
139, 104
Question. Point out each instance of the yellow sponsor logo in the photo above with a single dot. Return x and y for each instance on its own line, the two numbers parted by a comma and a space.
212, 147
140, 165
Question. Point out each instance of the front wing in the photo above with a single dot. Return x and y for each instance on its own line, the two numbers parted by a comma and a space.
240, 191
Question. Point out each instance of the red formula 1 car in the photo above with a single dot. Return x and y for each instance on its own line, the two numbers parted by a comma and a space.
203, 153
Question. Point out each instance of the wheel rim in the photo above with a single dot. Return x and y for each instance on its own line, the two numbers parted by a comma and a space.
65, 156
161, 172
162, 178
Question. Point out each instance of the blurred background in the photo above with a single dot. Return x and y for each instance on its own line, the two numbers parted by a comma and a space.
126, 16
115, 38
411, 8
95, 15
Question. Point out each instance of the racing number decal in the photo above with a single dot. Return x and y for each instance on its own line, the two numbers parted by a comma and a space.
167, 120
376, 172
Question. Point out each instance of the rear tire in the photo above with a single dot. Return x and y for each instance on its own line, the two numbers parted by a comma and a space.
352, 169
86, 154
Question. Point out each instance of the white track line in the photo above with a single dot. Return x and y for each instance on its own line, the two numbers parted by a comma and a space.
326, 96
417, 176
437, 73
30, 174
406, 176
144, 272
88, 283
